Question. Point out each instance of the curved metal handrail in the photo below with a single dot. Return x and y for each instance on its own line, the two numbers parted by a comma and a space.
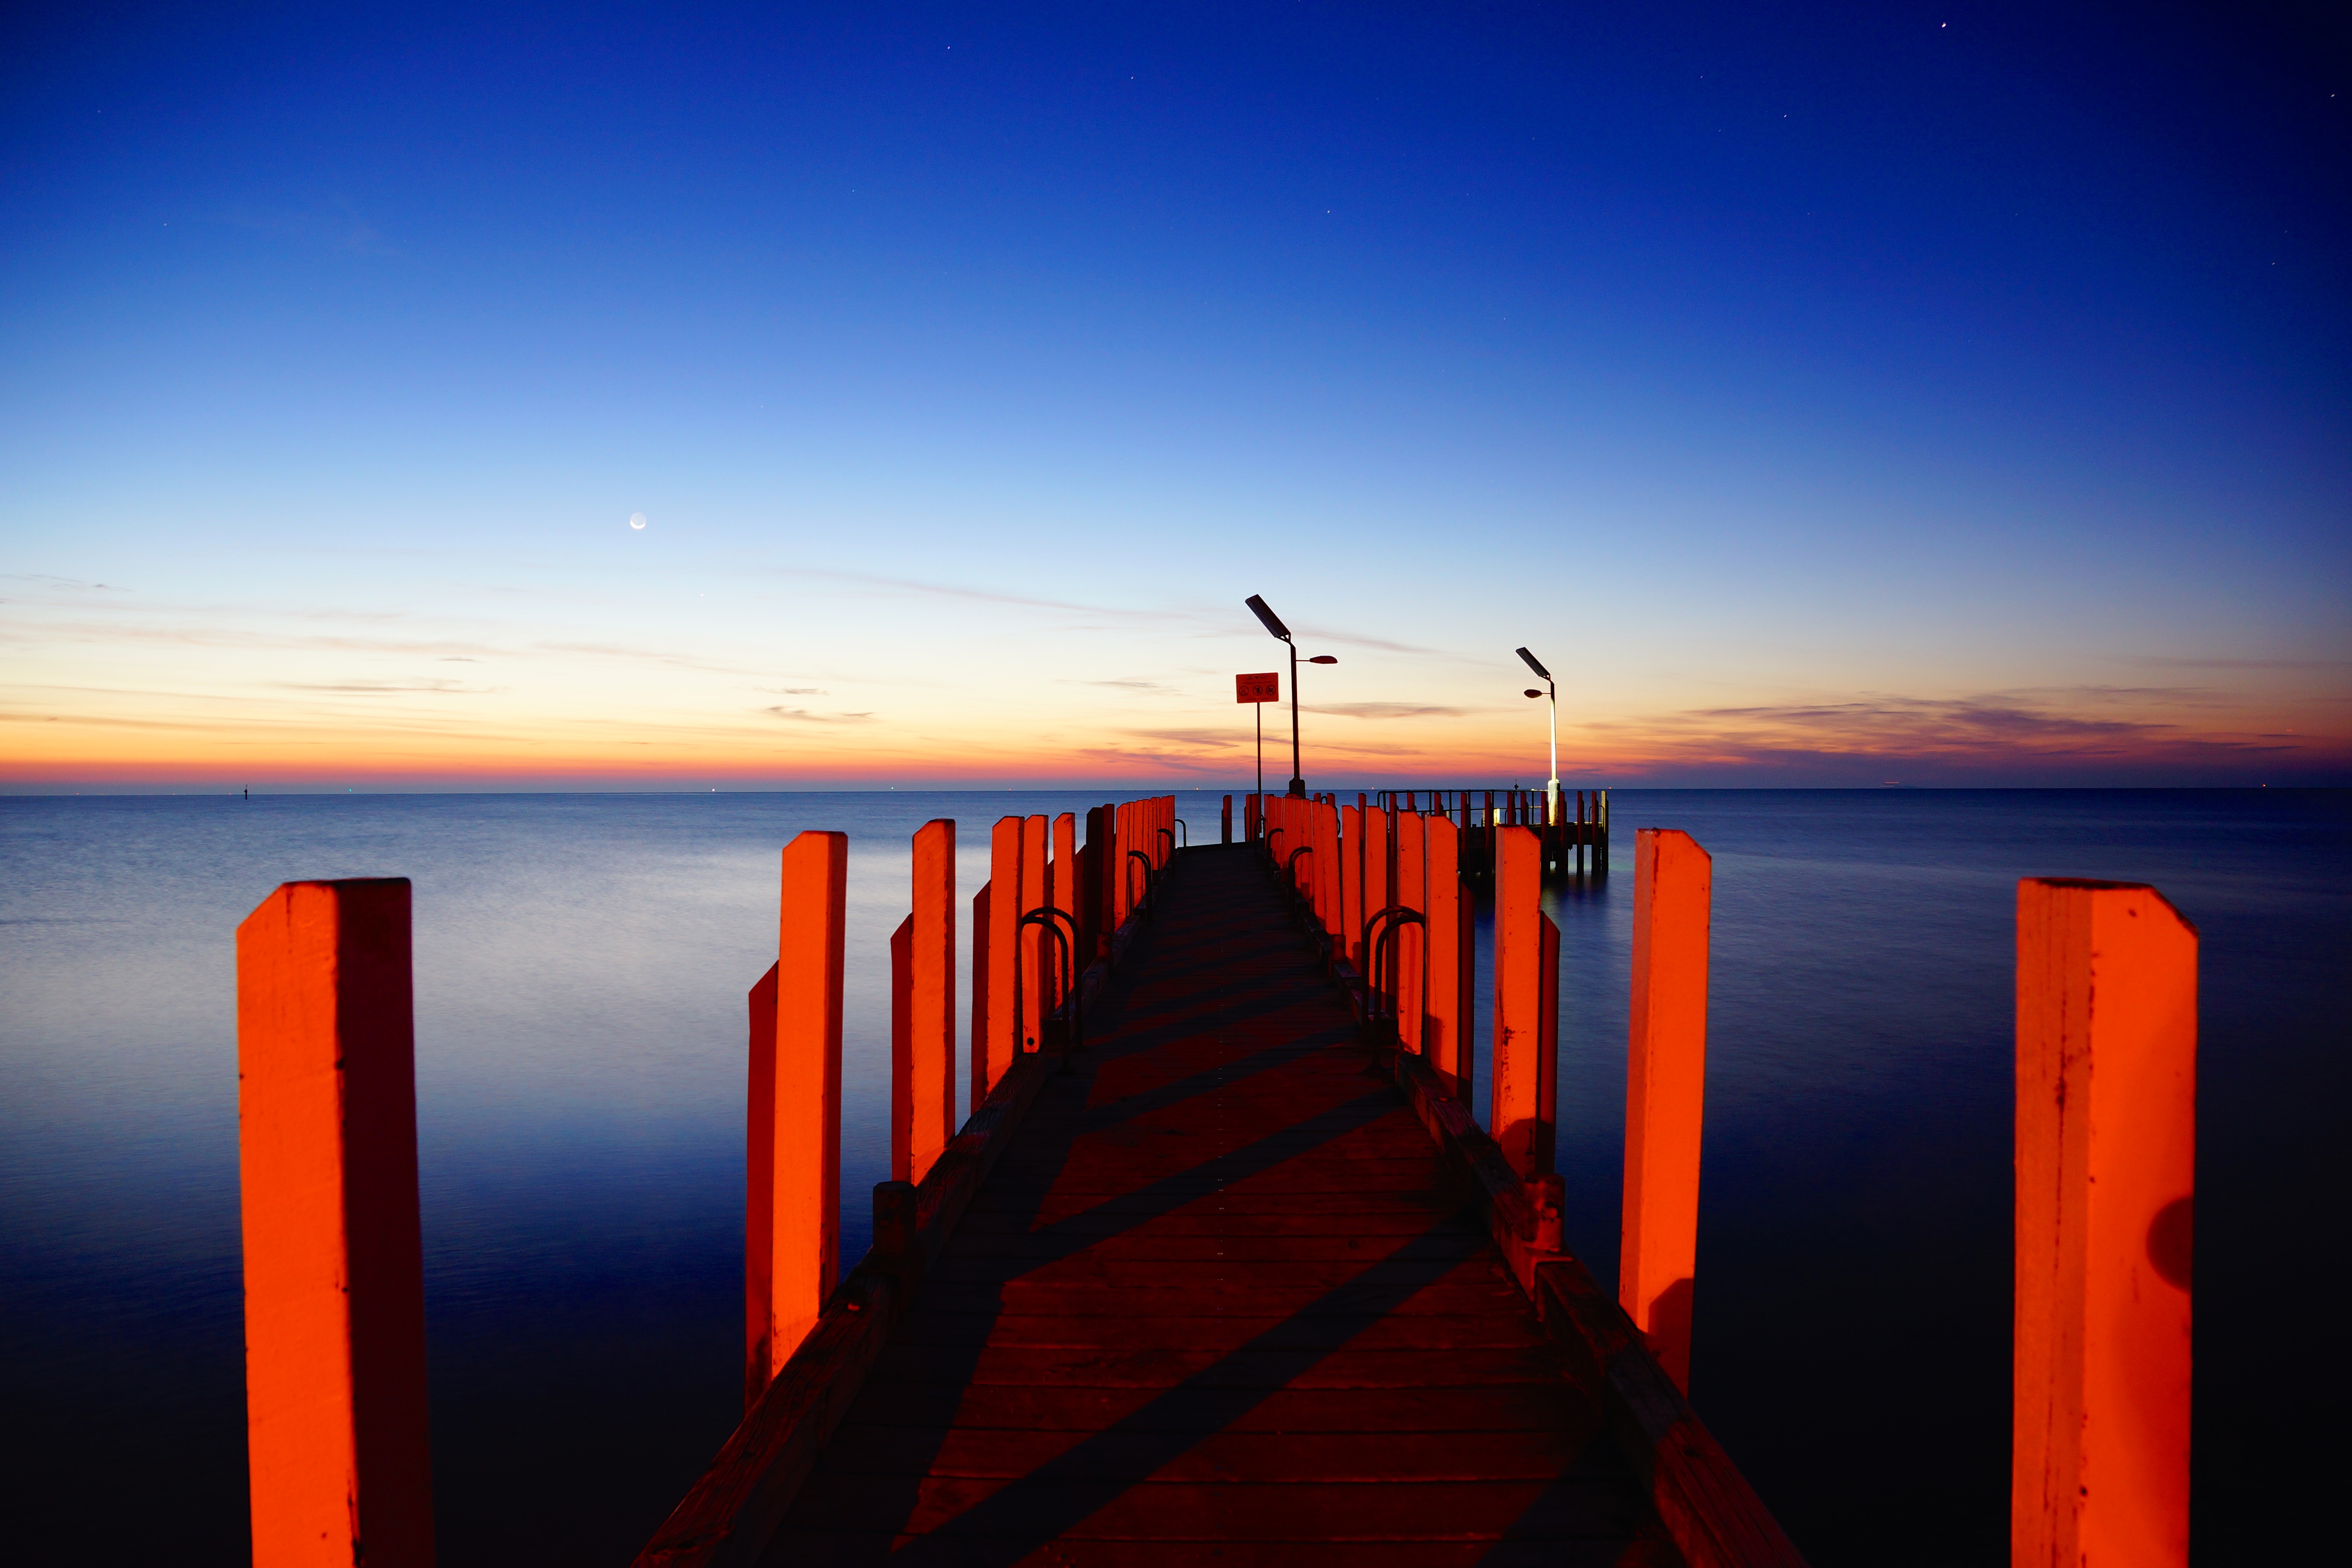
1398, 916
1150, 874
1066, 945
1188, 830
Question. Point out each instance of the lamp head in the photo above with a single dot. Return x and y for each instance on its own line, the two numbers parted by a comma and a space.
1535, 664
1324, 658
1533, 692
1267, 618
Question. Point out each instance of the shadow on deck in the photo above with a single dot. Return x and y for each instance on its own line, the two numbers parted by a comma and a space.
1221, 1298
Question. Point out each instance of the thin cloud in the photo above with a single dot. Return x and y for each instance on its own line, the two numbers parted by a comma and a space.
1390, 710
384, 686
2155, 661
1132, 683
54, 580
803, 716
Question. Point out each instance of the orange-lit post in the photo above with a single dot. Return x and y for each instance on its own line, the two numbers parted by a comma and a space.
1521, 1114
983, 920
1038, 966
1665, 1084
1323, 822
922, 1010
334, 1273
1376, 879
1412, 944
1007, 898
2107, 1145
1453, 952
1122, 868
1062, 889
1352, 884
794, 1161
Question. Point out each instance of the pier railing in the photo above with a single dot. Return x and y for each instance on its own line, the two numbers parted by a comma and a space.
1571, 828
2106, 988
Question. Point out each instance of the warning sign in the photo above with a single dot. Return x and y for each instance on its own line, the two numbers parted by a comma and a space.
1266, 688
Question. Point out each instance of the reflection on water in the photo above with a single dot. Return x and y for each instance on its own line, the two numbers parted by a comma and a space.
581, 965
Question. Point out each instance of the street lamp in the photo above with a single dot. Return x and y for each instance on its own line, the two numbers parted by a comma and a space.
1272, 623
1551, 688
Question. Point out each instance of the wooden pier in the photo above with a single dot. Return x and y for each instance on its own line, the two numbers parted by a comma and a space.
1222, 1268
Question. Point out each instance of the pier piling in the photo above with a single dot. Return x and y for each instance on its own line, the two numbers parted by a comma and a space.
793, 1164
2107, 1146
334, 1275
1521, 1112
1666, 1082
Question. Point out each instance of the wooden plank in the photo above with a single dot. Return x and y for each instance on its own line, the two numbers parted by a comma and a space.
1347, 1367
1295, 1412
1075, 1510
1420, 1330
1152, 1245
822, 1547
1488, 1291
1540, 1454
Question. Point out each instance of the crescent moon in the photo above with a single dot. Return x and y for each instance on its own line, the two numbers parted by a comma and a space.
636, 520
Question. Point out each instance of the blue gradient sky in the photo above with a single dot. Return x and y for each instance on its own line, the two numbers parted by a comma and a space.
1947, 396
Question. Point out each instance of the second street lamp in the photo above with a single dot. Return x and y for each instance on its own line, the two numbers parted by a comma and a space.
1272, 623
1551, 688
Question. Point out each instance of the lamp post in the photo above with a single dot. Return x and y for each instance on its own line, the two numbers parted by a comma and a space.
1551, 689
1272, 623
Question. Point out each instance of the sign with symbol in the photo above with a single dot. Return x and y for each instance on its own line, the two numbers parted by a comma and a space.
1266, 688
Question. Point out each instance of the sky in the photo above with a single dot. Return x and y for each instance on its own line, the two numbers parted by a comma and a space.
1852, 395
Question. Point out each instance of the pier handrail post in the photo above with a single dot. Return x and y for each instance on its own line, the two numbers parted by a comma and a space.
2107, 1145
1034, 988
1351, 884
1062, 880
1323, 830
1226, 821
1521, 1113
922, 1021
1452, 956
335, 1274
1665, 1084
1411, 973
993, 1048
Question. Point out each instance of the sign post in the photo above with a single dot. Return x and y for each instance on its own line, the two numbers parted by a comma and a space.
1256, 691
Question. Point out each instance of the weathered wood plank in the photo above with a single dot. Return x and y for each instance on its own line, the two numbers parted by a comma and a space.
1346, 1367
1514, 1454
1193, 1330
1050, 1507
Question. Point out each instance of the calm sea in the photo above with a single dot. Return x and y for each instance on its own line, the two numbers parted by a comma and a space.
581, 965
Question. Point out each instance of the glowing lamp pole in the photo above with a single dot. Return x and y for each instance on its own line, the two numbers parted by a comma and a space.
1551, 689
1272, 623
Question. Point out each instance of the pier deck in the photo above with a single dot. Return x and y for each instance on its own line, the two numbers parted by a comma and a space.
1220, 1299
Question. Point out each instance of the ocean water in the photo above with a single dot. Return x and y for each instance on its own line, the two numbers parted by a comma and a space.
581, 964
